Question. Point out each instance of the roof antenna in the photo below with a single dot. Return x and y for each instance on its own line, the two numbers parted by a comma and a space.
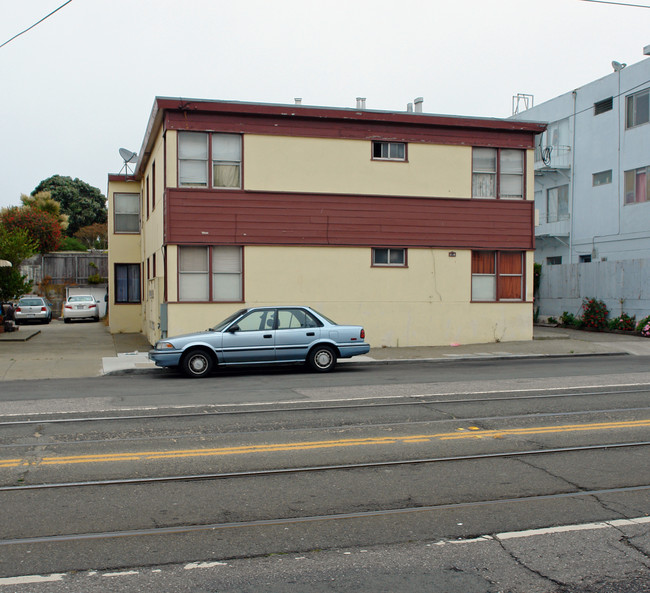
127, 157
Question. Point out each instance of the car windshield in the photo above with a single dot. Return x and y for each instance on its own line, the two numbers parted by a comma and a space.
80, 299
228, 320
30, 302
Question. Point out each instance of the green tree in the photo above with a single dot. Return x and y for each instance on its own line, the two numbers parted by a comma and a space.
45, 202
83, 203
41, 227
94, 236
15, 247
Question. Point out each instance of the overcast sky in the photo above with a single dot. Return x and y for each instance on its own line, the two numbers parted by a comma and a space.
81, 84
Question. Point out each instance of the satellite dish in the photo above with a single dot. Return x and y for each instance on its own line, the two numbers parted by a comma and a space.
618, 66
127, 155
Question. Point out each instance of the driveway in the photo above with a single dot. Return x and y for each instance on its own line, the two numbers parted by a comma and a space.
61, 350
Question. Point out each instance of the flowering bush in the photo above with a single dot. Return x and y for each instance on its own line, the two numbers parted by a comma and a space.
643, 327
624, 322
594, 314
41, 227
645, 331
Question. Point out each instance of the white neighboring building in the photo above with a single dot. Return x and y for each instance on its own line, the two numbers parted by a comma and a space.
591, 189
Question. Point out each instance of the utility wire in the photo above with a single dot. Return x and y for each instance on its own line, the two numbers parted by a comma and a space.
37, 23
618, 3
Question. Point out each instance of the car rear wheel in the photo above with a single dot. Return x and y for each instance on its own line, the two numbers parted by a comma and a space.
322, 359
197, 364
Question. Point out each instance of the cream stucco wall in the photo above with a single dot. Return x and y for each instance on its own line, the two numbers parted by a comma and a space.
123, 249
318, 165
426, 304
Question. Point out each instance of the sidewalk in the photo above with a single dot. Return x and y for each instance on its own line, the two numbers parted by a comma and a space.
87, 350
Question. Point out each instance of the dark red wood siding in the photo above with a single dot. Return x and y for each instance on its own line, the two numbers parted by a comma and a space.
260, 218
434, 131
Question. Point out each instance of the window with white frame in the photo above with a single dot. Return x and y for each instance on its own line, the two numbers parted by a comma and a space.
210, 274
557, 203
389, 151
636, 186
637, 109
389, 256
126, 215
498, 173
197, 149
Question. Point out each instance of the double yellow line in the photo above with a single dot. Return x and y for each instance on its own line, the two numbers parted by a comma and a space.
471, 432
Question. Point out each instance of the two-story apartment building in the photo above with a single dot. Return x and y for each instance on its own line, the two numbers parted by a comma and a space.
592, 195
419, 227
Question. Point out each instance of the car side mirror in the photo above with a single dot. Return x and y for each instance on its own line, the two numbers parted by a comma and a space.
233, 328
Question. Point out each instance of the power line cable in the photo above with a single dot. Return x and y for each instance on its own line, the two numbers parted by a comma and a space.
618, 3
37, 23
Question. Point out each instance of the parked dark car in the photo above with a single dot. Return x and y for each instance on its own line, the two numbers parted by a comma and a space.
263, 335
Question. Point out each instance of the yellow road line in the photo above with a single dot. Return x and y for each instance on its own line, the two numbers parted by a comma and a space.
470, 433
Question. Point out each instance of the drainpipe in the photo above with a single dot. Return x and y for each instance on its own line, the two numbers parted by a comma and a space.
573, 176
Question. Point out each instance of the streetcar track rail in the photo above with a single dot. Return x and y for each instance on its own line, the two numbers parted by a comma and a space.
318, 468
179, 529
456, 418
281, 407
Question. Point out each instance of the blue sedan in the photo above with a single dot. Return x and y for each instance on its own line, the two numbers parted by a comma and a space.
262, 335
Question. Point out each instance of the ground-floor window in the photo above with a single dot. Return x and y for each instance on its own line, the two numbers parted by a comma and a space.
127, 283
208, 274
498, 275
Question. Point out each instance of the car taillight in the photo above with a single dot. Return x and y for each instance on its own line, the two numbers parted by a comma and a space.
92, 306
363, 334
43, 309
17, 309
68, 306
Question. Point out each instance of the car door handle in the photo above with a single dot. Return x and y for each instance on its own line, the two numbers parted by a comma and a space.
268, 335
311, 334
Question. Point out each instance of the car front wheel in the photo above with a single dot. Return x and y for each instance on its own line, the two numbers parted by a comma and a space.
197, 364
322, 359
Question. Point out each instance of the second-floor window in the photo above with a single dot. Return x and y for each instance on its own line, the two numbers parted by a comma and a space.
636, 186
126, 217
497, 173
197, 150
557, 203
637, 109
389, 151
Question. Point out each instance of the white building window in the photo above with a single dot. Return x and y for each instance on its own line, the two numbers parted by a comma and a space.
126, 216
557, 203
226, 273
602, 178
636, 186
193, 274
637, 109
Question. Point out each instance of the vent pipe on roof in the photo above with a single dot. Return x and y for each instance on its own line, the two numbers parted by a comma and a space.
298, 100
646, 50
409, 107
361, 102
418, 104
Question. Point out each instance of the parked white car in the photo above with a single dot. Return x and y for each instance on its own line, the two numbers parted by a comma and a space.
80, 306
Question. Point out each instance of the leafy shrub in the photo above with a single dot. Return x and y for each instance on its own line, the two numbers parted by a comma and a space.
594, 314
624, 322
642, 323
567, 318
551, 320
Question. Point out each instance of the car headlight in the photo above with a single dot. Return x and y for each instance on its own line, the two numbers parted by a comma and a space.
164, 346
